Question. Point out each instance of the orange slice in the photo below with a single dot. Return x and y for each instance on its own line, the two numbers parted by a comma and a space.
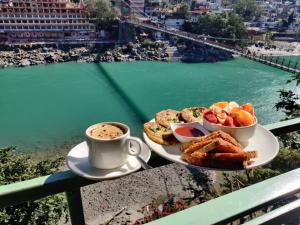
236, 109
249, 108
221, 104
243, 118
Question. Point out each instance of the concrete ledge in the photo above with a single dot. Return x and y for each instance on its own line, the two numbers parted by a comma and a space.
122, 198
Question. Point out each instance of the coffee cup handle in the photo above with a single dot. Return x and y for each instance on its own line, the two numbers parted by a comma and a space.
136, 151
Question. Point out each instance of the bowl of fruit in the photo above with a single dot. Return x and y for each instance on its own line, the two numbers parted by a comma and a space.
238, 121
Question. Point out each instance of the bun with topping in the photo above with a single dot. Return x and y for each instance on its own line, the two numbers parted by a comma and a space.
159, 134
165, 117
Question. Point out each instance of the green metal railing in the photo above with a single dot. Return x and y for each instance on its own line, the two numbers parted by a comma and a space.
216, 211
227, 208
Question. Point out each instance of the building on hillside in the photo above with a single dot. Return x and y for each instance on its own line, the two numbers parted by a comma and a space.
31, 21
296, 24
174, 22
195, 14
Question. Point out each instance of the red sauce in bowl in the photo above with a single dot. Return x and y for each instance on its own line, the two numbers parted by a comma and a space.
188, 131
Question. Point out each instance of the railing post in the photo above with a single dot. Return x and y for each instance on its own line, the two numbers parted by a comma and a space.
75, 206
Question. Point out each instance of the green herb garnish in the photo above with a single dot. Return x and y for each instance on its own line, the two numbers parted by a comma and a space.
154, 129
196, 113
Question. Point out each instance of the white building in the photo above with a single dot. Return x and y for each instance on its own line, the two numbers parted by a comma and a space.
174, 23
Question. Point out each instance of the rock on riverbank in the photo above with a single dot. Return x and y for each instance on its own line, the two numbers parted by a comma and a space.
146, 51
27, 57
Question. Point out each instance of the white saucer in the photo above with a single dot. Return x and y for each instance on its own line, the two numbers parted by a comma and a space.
77, 161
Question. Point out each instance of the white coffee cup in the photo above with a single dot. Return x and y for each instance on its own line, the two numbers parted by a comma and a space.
112, 153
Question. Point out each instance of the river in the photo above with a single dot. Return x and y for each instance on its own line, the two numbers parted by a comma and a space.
49, 107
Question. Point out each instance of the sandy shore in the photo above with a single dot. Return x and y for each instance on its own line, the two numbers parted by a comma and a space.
282, 49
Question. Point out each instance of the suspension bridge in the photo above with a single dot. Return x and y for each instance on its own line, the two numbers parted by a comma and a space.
211, 42
201, 39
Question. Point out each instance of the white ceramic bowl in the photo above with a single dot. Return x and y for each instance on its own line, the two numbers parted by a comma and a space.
184, 139
241, 134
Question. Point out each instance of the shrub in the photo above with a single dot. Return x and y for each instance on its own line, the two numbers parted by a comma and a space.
16, 167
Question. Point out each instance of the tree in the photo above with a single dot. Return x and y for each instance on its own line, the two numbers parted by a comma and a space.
101, 12
291, 18
211, 24
18, 167
187, 26
99, 9
222, 25
185, 10
248, 9
289, 99
235, 27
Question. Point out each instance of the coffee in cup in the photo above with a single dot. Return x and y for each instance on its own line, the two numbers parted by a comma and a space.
109, 145
106, 131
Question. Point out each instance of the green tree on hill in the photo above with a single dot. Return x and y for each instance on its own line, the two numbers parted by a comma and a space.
287, 22
100, 9
185, 10
248, 9
101, 12
222, 25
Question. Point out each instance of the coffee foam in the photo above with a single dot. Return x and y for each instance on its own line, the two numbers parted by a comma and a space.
106, 132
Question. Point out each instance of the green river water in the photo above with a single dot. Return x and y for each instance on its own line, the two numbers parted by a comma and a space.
49, 107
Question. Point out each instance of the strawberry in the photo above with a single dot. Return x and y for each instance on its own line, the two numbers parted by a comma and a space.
209, 116
207, 111
229, 122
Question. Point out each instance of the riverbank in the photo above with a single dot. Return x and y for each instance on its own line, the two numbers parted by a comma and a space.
140, 51
280, 48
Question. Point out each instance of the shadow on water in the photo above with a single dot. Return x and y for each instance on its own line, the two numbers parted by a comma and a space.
123, 95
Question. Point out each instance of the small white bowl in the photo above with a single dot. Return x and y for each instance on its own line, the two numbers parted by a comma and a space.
184, 139
241, 134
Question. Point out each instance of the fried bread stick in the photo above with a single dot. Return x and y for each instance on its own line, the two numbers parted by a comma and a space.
241, 156
216, 145
213, 163
228, 143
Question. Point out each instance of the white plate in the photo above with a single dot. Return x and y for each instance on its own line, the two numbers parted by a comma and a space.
263, 141
77, 161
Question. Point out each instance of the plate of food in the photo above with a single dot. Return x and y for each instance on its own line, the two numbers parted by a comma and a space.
225, 136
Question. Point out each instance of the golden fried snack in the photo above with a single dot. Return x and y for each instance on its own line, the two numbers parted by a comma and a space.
216, 144
196, 146
241, 156
252, 154
227, 147
204, 162
193, 114
186, 145
208, 138
159, 134
217, 150
165, 117
224, 136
